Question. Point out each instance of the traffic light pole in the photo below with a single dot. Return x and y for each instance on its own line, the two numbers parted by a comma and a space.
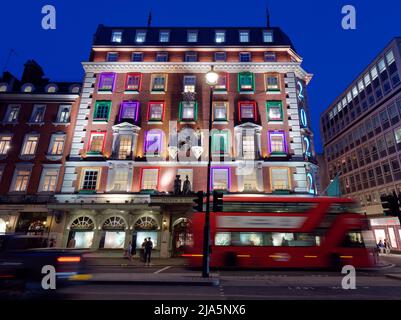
206, 231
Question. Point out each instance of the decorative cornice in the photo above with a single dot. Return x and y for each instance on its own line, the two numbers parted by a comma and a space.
197, 67
39, 97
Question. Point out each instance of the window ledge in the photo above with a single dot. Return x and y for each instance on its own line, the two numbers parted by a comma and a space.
158, 92
35, 123
220, 122
278, 154
219, 91
26, 157
155, 122
247, 92
87, 191
53, 157
275, 121
273, 91
188, 121
61, 123
101, 121
104, 91
94, 154
131, 92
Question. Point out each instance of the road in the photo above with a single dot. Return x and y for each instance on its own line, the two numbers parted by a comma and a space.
243, 285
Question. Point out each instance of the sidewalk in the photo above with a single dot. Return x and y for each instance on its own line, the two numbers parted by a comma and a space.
186, 279
135, 262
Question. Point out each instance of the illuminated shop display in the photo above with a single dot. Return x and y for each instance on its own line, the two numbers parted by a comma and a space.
114, 240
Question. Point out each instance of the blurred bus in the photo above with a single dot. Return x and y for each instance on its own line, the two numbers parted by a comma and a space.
284, 231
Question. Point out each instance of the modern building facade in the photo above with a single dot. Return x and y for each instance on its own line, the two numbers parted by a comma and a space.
143, 119
361, 132
36, 125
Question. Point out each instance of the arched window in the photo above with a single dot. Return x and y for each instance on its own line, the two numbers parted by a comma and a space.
75, 88
28, 87
51, 88
82, 223
146, 223
114, 223
3, 87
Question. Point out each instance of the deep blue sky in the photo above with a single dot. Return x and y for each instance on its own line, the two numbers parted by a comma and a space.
335, 56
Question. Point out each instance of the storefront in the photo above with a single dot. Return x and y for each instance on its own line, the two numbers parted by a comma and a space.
387, 228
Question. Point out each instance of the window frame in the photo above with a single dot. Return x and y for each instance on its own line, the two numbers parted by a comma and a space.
164, 32
82, 179
91, 135
34, 110
125, 105
272, 54
15, 176
7, 144
193, 32
102, 77
188, 54
281, 133
271, 169
188, 76
216, 32
152, 79
226, 104
138, 33
248, 36
139, 54
255, 110
240, 76
213, 169
163, 54
271, 36
97, 104
242, 54
109, 54
8, 113
271, 75
150, 103
26, 138
45, 170
60, 111
271, 104
224, 75
227, 144
157, 132
133, 74
142, 174
51, 145
220, 60
113, 32
181, 110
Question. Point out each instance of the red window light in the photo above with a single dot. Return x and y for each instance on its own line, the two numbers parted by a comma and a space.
133, 82
247, 110
156, 111
98, 139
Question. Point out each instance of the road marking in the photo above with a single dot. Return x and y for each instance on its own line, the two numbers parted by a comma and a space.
162, 269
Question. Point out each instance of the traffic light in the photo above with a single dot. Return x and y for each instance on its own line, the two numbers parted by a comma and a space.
217, 201
198, 201
390, 205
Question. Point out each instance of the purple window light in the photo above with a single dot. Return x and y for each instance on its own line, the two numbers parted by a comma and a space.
149, 145
104, 79
284, 140
127, 105
228, 177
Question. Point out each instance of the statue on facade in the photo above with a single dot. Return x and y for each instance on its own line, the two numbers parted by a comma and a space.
177, 185
186, 189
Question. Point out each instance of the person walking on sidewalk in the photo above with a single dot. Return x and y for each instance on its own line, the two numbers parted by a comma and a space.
129, 251
387, 247
380, 246
148, 251
143, 250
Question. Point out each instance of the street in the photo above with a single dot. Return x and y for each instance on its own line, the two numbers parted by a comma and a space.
233, 285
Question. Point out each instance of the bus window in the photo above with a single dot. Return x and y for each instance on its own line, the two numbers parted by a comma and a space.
269, 207
353, 240
222, 239
252, 239
343, 208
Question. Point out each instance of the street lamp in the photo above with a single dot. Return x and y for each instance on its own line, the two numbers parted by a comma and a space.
211, 79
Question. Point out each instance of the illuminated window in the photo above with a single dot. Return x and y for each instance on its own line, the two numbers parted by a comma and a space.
158, 82
102, 111
11, 115
137, 57
248, 145
150, 179
116, 36
162, 57
192, 36
3, 87
220, 56
373, 73
279, 179
140, 36
220, 36
184, 173
5, 144
106, 81
220, 111
191, 57
153, 142
390, 57
48, 180
272, 83
222, 83
189, 83
133, 82
270, 57
89, 179
247, 110
246, 82
244, 36
220, 142
251, 181
124, 146
188, 110
120, 182
381, 65
57, 144
20, 179
155, 111
30, 145
220, 178
164, 36
96, 142
129, 111
63, 115
245, 57
112, 56
274, 111
277, 144
267, 36
38, 114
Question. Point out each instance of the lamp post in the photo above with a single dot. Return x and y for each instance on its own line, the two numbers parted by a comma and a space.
211, 79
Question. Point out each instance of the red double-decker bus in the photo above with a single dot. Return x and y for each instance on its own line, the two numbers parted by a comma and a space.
284, 231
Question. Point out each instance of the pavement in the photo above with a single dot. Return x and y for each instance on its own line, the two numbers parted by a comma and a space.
124, 262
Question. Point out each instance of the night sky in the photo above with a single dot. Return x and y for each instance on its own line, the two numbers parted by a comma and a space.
335, 56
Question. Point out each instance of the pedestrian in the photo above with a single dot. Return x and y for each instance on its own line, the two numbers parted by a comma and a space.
143, 250
148, 251
380, 246
129, 251
386, 246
